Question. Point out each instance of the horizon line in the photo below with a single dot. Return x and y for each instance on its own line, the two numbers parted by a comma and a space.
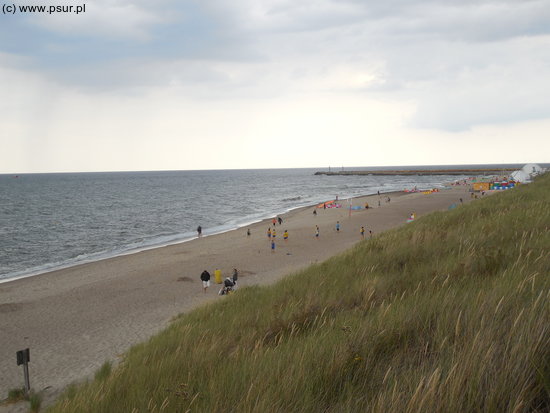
264, 169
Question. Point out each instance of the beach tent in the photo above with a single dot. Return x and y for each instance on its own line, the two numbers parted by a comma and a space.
526, 173
520, 176
532, 169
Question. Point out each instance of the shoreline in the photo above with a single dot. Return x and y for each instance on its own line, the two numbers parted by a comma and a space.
107, 256
75, 319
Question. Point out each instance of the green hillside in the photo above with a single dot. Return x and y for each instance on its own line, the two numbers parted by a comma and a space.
450, 313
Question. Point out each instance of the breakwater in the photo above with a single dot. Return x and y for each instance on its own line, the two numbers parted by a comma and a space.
473, 172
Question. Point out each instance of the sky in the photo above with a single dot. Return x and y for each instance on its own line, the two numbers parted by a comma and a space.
217, 84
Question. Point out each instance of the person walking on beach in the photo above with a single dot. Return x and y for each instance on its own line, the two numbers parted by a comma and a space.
362, 232
269, 232
314, 212
248, 232
317, 231
280, 220
205, 278
272, 245
337, 226
274, 221
273, 233
235, 277
199, 230
285, 235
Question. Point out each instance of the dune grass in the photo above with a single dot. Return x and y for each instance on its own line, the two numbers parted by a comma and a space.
447, 314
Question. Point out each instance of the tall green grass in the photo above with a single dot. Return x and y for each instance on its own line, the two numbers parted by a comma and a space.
447, 314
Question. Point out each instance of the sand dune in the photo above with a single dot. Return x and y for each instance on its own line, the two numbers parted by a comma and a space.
75, 319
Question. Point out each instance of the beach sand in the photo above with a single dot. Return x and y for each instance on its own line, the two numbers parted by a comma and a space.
75, 319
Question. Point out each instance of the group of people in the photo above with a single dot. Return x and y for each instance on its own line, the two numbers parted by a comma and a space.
338, 227
229, 284
272, 233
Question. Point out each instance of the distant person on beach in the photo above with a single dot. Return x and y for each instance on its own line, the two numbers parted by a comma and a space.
337, 226
362, 232
315, 212
317, 231
366, 205
378, 193
272, 245
285, 235
205, 278
199, 230
248, 232
274, 221
228, 287
460, 199
273, 233
269, 232
235, 276
280, 220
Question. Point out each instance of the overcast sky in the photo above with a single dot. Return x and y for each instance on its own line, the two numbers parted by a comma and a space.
216, 84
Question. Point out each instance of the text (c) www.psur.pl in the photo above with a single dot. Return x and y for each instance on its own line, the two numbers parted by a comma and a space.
51, 9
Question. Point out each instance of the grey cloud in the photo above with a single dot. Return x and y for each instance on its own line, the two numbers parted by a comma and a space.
456, 21
446, 56
507, 90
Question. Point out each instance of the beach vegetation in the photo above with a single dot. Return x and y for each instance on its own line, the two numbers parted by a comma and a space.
35, 401
104, 371
70, 391
450, 313
19, 394
15, 395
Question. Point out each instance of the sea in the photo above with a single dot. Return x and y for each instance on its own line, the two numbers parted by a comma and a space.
56, 220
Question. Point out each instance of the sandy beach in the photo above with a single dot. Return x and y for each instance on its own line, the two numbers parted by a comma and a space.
75, 319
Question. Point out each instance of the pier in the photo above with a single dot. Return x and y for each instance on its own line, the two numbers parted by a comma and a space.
472, 172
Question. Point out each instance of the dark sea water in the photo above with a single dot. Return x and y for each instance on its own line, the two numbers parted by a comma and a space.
50, 221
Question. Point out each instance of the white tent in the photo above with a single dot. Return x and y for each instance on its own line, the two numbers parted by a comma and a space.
532, 169
520, 176
526, 173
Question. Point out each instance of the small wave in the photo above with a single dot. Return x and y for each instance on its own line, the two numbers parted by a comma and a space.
296, 198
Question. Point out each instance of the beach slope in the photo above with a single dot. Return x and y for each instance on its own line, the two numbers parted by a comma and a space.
75, 319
